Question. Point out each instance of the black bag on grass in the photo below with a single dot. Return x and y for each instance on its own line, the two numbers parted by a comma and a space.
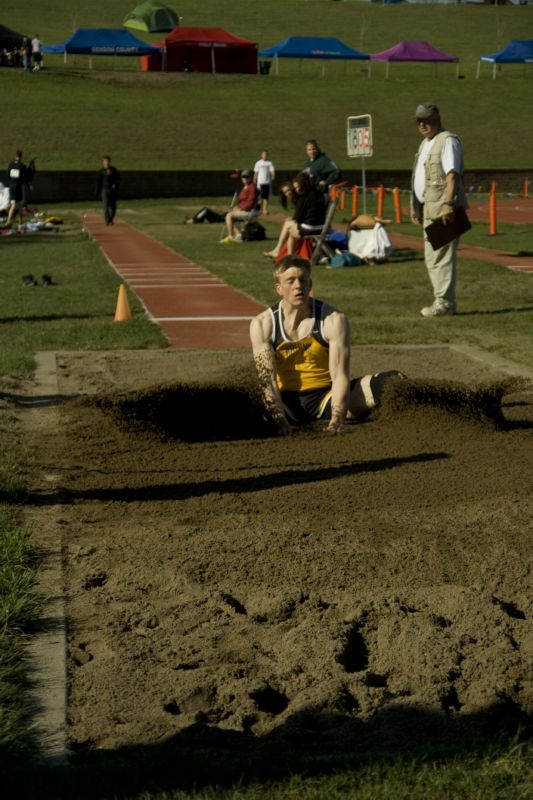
253, 231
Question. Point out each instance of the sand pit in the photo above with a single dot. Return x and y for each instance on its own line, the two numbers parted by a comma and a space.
235, 583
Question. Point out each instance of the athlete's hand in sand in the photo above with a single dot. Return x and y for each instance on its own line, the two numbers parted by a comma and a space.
284, 426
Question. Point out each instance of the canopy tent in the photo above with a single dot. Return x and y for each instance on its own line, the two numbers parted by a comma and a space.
320, 47
519, 51
414, 50
151, 17
102, 42
203, 50
9, 39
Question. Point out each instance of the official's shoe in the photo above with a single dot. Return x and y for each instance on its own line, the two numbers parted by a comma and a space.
440, 308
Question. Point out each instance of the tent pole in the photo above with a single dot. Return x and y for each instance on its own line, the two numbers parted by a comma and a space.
213, 60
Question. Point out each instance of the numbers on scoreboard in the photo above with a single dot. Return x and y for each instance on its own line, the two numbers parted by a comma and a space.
359, 136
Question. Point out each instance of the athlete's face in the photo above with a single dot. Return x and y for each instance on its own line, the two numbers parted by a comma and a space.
294, 286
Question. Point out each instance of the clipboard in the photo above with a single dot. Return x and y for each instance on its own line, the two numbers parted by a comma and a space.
439, 234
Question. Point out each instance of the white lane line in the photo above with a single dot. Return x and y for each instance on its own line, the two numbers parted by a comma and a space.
166, 272
178, 285
154, 263
198, 319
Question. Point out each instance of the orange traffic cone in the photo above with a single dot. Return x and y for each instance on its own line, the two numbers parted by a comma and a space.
123, 311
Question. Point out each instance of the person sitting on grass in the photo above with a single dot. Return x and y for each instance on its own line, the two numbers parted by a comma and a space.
307, 219
246, 202
301, 349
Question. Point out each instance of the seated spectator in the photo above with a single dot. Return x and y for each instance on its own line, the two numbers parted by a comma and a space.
287, 195
246, 202
307, 219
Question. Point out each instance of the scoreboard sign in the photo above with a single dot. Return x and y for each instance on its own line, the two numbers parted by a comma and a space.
359, 136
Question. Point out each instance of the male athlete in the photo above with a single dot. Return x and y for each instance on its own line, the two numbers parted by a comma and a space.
301, 349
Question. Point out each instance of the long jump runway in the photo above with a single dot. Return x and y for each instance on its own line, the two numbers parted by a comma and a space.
192, 307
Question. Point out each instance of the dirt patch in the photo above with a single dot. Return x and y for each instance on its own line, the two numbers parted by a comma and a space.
236, 583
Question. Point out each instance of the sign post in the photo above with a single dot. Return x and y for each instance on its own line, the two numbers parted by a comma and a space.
359, 143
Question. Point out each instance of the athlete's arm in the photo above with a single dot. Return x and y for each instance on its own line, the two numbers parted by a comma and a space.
265, 363
337, 332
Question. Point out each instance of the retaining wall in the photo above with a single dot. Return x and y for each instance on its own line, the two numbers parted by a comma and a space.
50, 186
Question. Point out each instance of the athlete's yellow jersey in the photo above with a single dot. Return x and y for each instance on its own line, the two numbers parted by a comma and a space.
302, 365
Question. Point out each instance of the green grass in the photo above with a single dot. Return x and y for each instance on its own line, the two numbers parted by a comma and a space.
18, 601
75, 313
175, 121
502, 776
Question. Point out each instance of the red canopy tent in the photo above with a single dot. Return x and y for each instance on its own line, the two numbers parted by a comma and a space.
203, 50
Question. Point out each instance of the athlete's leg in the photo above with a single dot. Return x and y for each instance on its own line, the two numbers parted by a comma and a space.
366, 392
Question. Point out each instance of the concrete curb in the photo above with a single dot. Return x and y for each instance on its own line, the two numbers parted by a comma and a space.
46, 650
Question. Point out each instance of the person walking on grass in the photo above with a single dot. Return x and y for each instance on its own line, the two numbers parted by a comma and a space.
301, 349
107, 189
437, 191
18, 183
264, 175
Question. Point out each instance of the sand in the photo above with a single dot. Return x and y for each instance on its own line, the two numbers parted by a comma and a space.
218, 576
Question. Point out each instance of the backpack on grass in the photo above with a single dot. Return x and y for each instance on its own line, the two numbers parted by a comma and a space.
253, 231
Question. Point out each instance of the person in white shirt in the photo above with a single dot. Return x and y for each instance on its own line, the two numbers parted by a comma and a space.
264, 175
437, 191
36, 53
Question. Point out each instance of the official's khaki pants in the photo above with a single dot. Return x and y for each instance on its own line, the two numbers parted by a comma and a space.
442, 267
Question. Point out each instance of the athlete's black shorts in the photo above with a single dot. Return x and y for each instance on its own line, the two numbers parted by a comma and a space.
305, 407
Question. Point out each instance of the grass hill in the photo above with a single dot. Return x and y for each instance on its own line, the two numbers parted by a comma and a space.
67, 115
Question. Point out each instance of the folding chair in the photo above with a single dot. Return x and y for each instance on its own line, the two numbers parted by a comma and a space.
321, 248
313, 245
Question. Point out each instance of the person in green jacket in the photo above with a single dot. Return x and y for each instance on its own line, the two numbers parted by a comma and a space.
322, 169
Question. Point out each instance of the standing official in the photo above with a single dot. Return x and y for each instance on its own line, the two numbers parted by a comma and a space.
437, 190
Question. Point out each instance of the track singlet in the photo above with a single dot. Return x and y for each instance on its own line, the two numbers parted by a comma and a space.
301, 365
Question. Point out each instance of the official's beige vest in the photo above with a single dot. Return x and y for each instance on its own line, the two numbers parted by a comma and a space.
435, 186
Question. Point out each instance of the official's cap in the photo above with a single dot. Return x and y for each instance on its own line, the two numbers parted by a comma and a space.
426, 111
246, 173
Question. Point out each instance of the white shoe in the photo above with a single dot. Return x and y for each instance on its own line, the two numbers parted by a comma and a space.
440, 308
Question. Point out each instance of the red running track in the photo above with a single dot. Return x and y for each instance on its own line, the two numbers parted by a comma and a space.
192, 307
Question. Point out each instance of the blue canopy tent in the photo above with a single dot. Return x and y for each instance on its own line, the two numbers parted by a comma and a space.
319, 47
102, 42
519, 51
